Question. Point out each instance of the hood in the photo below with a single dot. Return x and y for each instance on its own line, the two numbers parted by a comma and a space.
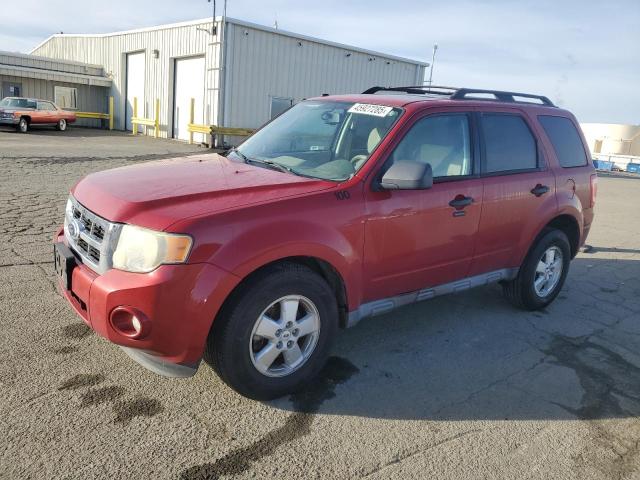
158, 194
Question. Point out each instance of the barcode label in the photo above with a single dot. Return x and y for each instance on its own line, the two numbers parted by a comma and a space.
368, 109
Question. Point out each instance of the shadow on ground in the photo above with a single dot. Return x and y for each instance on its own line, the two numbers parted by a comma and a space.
473, 357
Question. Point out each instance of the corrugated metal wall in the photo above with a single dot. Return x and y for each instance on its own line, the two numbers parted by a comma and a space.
260, 63
90, 98
172, 42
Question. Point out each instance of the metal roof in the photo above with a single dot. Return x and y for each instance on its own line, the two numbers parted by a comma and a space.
241, 23
42, 68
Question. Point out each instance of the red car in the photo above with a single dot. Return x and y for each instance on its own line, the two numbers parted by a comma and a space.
342, 208
23, 113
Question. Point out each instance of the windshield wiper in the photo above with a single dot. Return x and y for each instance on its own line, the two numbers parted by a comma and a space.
239, 153
268, 163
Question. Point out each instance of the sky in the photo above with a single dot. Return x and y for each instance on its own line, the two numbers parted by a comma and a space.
584, 55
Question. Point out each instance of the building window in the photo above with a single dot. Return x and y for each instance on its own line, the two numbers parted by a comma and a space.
279, 105
66, 97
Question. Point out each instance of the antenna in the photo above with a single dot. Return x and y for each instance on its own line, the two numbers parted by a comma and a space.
214, 30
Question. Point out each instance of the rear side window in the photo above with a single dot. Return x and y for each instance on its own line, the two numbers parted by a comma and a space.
508, 143
565, 139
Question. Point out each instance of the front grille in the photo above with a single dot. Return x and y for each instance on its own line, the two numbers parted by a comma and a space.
91, 236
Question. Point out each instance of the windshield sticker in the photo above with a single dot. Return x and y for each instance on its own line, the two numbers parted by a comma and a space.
368, 109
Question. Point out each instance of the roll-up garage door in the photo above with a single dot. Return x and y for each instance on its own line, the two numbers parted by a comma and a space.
135, 85
188, 84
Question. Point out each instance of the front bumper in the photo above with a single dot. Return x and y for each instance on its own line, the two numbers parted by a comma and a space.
180, 302
9, 121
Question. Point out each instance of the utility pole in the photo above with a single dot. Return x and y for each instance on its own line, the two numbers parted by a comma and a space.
433, 61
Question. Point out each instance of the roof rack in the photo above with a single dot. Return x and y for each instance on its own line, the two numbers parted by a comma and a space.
466, 94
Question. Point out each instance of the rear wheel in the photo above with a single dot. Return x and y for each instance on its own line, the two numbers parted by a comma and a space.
62, 125
23, 125
274, 334
542, 273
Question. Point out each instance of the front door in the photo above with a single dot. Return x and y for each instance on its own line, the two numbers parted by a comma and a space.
423, 238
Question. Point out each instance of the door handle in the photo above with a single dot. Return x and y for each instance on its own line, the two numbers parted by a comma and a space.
460, 202
539, 190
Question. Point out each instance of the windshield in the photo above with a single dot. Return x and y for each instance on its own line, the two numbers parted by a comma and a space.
322, 139
17, 103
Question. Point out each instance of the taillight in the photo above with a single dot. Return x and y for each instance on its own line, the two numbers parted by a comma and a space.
594, 189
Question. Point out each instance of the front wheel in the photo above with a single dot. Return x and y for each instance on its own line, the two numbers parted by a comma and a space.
62, 125
273, 335
542, 273
23, 125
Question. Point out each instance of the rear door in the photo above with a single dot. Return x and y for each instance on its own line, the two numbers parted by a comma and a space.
44, 114
417, 238
518, 189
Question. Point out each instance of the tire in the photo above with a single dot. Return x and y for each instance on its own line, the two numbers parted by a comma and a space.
62, 125
529, 290
23, 125
235, 341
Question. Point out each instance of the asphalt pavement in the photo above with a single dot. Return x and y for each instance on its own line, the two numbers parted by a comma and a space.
459, 387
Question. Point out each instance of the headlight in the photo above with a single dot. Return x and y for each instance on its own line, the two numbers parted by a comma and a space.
142, 250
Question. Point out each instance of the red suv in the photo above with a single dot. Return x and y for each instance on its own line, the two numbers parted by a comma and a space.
342, 208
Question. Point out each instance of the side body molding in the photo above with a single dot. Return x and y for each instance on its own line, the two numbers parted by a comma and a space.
386, 305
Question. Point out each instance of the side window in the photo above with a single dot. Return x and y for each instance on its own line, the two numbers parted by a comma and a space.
565, 140
509, 144
46, 106
440, 140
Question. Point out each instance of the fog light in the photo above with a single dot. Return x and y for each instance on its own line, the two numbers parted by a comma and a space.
130, 322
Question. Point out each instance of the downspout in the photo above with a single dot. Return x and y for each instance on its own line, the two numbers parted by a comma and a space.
222, 73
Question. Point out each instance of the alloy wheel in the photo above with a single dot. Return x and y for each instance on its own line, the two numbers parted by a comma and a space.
284, 336
548, 271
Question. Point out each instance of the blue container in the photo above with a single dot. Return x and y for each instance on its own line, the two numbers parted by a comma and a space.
603, 165
633, 167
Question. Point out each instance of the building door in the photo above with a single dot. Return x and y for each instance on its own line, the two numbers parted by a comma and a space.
188, 84
135, 86
10, 89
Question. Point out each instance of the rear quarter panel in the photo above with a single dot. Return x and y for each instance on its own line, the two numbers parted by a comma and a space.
573, 184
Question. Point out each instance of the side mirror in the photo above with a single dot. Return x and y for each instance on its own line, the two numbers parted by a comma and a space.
407, 175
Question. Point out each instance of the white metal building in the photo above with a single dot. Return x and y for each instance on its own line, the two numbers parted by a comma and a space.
240, 76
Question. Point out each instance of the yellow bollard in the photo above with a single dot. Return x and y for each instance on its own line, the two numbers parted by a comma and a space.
110, 113
134, 126
157, 118
192, 116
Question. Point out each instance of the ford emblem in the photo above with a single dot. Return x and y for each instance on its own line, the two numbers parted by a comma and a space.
74, 229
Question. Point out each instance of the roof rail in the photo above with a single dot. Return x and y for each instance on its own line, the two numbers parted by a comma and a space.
417, 89
462, 93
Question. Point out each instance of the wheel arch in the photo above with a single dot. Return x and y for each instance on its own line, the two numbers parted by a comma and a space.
570, 227
318, 265
567, 224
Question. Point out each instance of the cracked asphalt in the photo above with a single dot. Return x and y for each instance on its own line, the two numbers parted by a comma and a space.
458, 387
